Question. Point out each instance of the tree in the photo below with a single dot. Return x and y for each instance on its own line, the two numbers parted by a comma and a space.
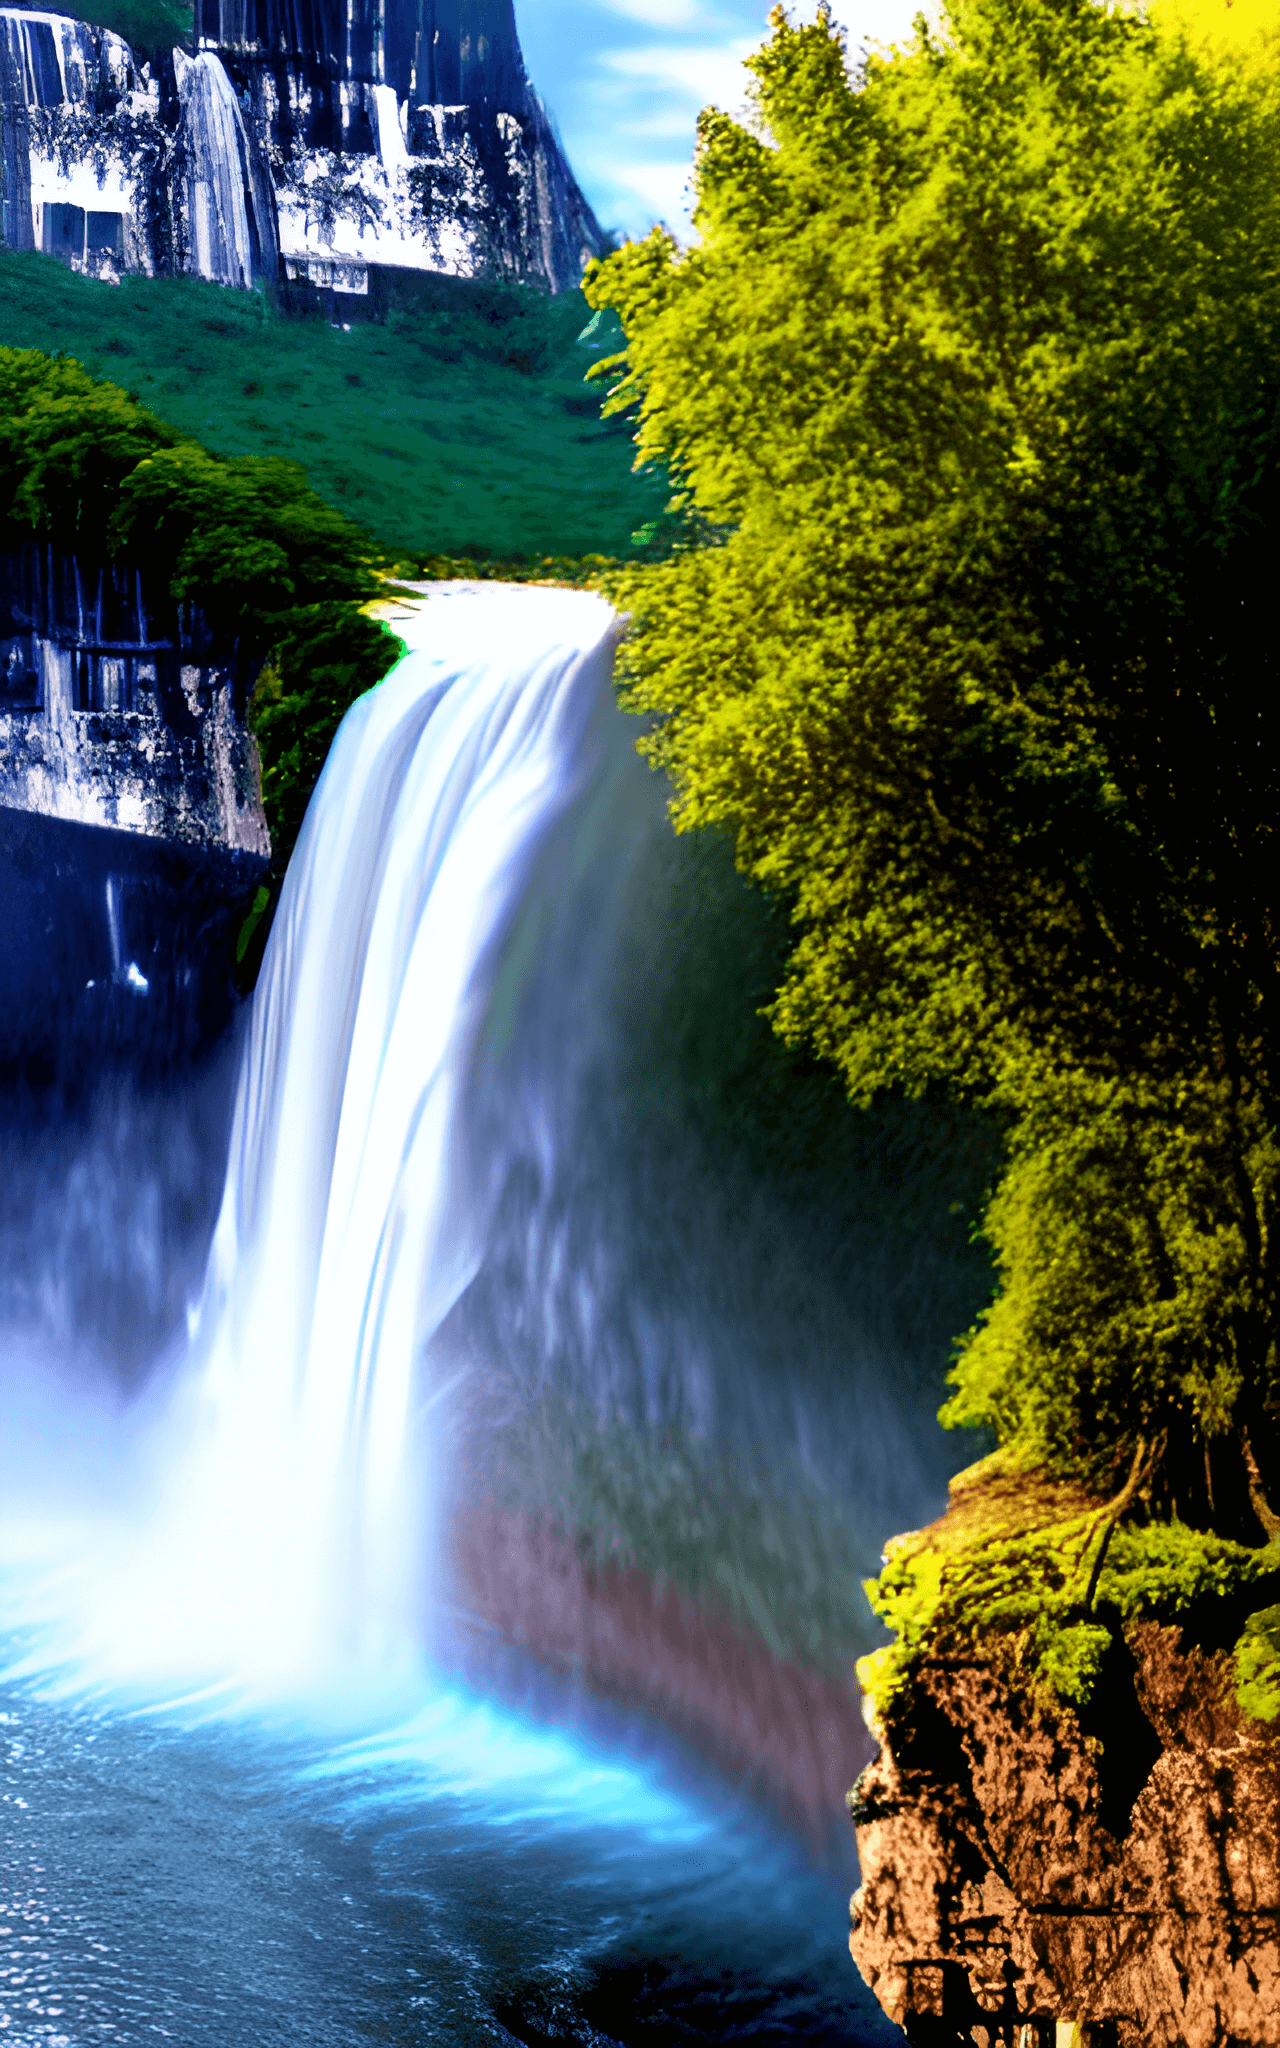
280, 576
974, 376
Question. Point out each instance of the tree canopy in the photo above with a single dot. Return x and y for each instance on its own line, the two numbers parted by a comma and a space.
244, 538
971, 387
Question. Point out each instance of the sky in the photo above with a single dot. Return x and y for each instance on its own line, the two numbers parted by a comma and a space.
625, 80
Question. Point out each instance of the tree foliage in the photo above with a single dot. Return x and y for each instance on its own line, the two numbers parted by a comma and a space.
150, 27
326, 655
975, 370
280, 575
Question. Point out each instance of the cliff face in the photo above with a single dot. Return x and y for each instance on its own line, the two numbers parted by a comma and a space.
85, 148
1117, 1871
392, 132
112, 714
132, 837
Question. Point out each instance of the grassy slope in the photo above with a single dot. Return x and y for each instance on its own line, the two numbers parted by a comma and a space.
419, 430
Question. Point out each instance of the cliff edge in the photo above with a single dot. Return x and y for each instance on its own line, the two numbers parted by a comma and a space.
1035, 1871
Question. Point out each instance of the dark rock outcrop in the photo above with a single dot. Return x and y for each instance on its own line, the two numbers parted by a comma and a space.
300, 136
88, 158
132, 837
403, 132
1115, 1872
16, 230
115, 712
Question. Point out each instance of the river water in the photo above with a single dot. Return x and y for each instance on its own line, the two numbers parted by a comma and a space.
261, 1783
474, 1873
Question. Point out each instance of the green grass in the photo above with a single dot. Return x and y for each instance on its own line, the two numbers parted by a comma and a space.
150, 27
462, 426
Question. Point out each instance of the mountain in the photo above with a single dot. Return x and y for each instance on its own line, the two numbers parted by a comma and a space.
303, 139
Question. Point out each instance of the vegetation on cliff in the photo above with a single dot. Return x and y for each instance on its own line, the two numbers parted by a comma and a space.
1031, 1570
150, 27
459, 426
974, 380
458, 438
245, 539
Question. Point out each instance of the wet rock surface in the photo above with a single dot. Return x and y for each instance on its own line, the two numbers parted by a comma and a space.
1116, 1871
116, 712
308, 143
132, 836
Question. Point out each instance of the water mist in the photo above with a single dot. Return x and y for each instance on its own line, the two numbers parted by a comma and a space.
461, 1267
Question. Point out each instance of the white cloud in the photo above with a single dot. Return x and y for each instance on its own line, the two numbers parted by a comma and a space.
664, 130
880, 21
626, 80
702, 73
674, 14
661, 191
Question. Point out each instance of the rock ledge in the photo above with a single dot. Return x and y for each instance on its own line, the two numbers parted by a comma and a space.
1033, 1874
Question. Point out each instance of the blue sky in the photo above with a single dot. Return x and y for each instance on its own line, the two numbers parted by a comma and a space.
625, 80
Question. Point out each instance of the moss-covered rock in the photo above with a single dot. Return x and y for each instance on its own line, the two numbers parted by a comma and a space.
1040, 1575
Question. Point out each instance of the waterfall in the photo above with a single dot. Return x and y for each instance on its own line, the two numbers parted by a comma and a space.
15, 138
226, 222
393, 152
277, 1526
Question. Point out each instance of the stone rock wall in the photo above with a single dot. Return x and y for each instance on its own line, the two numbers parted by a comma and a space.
226, 203
402, 133
113, 716
86, 152
1113, 1877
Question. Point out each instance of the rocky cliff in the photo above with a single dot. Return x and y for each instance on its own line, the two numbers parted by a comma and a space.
116, 712
132, 837
307, 137
1111, 1872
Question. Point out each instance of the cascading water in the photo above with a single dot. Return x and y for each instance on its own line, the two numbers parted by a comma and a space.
243, 1550
349, 1227
229, 222
286, 1526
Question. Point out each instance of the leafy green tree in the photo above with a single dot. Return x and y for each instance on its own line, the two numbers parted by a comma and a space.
280, 578
66, 444
325, 656
975, 373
